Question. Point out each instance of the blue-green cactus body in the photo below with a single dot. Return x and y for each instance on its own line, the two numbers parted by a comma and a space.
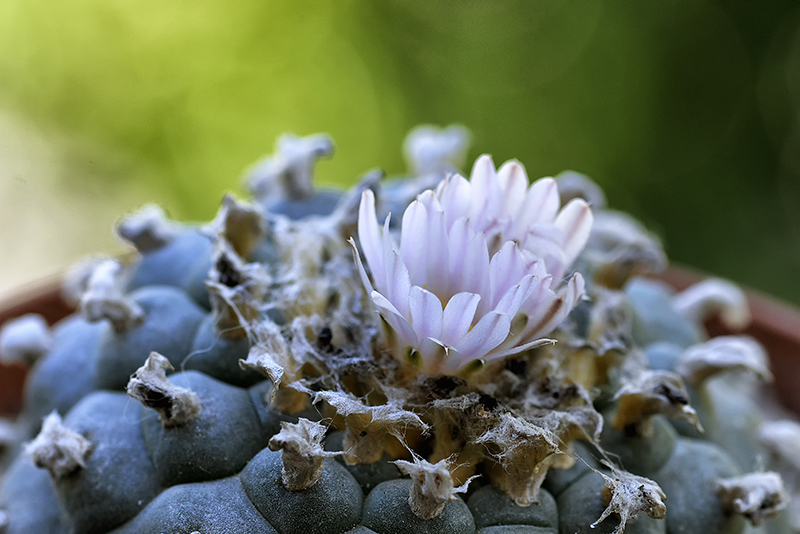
641, 455
110, 421
67, 373
319, 204
492, 509
559, 480
217, 443
219, 356
386, 511
170, 323
218, 507
28, 496
654, 318
689, 480
184, 263
333, 504
580, 505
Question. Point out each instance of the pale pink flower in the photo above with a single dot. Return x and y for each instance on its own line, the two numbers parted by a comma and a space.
477, 275
505, 206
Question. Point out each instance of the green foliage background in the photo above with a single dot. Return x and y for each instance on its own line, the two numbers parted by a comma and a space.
685, 111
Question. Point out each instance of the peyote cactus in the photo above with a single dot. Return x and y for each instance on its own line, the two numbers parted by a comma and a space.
489, 358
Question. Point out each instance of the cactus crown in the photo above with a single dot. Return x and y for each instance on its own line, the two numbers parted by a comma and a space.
474, 338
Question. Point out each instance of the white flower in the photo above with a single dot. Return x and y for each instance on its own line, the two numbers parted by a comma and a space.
477, 274
502, 204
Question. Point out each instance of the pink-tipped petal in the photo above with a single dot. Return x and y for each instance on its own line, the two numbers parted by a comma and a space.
572, 293
484, 193
458, 239
540, 294
541, 204
575, 220
514, 182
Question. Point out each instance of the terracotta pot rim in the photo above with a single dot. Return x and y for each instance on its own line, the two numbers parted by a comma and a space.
41, 296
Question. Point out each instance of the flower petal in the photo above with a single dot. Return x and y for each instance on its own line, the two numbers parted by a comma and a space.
485, 197
455, 195
539, 297
506, 269
575, 220
490, 331
458, 315
398, 284
513, 181
468, 264
436, 239
497, 355
433, 354
425, 313
452, 362
545, 242
369, 234
361, 271
395, 319
540, 206
491, 248
413, 235
555, 309
515, 296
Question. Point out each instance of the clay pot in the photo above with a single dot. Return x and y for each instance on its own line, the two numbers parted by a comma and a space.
45, 299
775, 325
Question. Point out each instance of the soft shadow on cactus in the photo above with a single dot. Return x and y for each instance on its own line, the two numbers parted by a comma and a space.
423, 354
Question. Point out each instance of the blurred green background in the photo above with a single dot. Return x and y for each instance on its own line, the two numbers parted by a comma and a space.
686, 112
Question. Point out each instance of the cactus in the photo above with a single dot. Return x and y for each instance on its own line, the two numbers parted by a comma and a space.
491, 358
